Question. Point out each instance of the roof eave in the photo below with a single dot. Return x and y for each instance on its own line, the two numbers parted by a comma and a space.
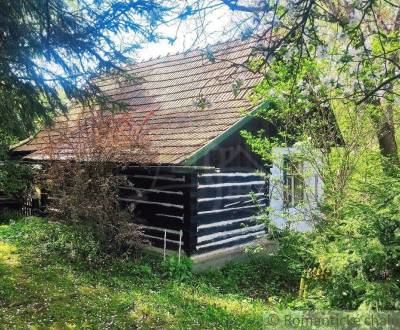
199, 153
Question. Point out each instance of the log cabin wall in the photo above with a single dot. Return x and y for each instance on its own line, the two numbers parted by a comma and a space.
228, 207
213, 210
157, 201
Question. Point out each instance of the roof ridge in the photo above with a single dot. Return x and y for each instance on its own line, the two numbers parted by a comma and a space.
182, 52
142, 65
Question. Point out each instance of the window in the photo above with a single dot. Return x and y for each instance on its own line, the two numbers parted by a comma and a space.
293, 182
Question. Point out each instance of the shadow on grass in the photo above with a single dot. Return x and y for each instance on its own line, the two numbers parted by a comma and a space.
48, 290
50, 293
182, 306
260, 276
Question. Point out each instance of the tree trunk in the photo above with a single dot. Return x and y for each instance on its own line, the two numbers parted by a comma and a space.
387, 135
386, 129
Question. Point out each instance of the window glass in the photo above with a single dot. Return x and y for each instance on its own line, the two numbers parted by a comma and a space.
293, 182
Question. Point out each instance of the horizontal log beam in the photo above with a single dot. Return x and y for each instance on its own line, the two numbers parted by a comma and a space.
161, 221
208, 217
229, 178
217, 203
225, 234
223, 244
155, 196
207, 191
226, 225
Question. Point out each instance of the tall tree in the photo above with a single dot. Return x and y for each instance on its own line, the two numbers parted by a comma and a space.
345, 51
50, 50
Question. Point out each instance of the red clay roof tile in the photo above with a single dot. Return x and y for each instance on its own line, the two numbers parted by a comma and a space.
164, 94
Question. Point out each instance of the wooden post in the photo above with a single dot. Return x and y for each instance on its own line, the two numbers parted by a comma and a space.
180, 246
190, 211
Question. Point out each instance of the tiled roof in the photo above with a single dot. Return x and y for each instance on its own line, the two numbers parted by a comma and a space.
165, 97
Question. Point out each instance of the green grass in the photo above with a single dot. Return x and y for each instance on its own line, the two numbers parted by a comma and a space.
43, 284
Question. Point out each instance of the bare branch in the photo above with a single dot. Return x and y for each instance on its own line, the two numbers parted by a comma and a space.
233, 5
371, 93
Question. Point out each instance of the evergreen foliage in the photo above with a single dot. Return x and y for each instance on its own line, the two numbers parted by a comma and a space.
51, 49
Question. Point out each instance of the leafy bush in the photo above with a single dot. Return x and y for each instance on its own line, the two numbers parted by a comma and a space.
73, 243
15, 179
351, 260
361, 247
85, 196
294, 250
177, 269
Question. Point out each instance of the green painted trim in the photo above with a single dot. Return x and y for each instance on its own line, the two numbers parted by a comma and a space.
221, 138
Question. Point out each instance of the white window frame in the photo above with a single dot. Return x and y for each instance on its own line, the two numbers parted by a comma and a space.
293, 182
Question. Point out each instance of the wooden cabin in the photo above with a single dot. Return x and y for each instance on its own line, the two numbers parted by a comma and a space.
203, 180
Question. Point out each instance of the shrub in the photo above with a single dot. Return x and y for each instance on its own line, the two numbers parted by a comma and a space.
85, 195
178, 269
15, 179
84, 187
360, 247
351, 260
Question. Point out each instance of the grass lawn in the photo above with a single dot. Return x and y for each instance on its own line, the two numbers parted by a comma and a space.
42, 288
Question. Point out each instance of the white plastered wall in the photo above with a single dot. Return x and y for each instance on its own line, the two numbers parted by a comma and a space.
302, 216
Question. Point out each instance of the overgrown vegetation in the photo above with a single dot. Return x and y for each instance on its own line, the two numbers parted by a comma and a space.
16, 179
84, 196
351, 259
359, 246
331, 89
327, 61
83, 188
47, 282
